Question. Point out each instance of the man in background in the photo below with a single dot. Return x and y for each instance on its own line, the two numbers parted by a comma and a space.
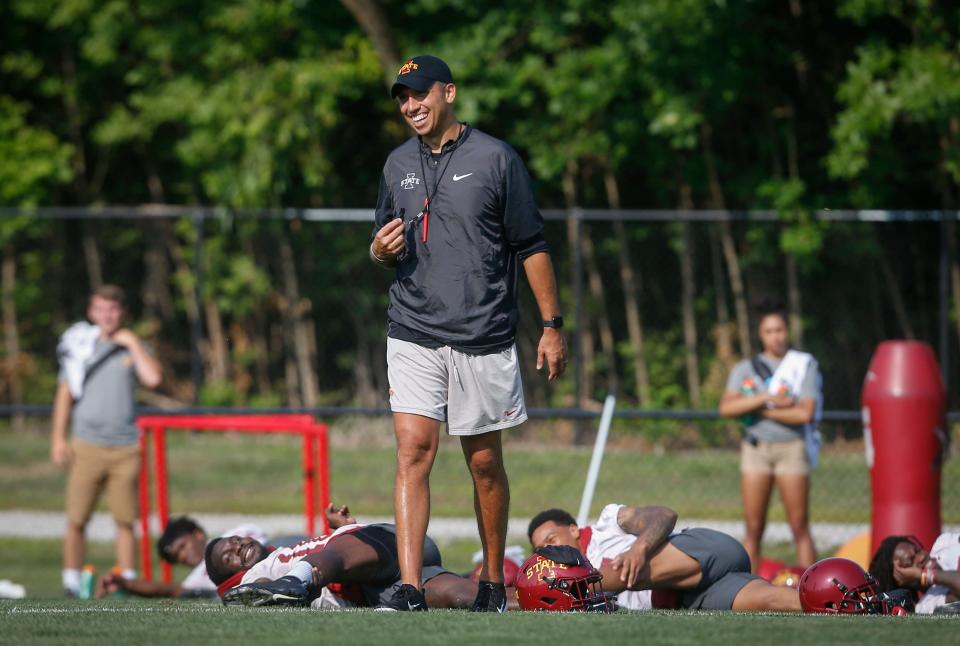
100, 365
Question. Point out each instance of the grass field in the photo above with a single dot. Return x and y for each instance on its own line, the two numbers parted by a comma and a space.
149, 622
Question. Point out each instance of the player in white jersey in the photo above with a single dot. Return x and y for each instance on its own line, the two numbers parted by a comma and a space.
356, 565
900, 562
651, 566
182, 543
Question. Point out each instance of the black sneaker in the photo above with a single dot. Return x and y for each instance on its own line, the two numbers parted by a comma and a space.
286, 591
491, 597
406, 598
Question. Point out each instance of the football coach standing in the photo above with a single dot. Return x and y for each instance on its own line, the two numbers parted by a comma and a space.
455, 219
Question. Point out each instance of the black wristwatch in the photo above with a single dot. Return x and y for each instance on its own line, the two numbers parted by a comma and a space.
556, 322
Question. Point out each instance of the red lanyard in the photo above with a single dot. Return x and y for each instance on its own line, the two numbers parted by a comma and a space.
426, 200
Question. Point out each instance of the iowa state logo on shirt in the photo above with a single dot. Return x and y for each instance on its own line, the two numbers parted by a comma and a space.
408, 183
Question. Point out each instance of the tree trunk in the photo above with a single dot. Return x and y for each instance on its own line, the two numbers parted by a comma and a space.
219, 358
242, 345
184, 279
11, 334
296, 314
71, 106
607, 341
727, 242
581, 334
157, 302
58, 275
793, 300
365, 393
794, 305
631, 293
723, 331
954, 274
91, 254
896, 296
372, 19
685, 254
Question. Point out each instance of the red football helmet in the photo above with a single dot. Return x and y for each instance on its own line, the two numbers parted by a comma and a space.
840, 586
560, 578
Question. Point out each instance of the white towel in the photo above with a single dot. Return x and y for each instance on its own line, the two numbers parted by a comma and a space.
74, 351
789, 376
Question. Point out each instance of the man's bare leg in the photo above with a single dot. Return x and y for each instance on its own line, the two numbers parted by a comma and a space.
74, 546
755, 489
762, 595
417, 441
346, 559
450, 591
794, 491
491, 499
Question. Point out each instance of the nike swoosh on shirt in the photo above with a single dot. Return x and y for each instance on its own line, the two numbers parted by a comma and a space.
457, 178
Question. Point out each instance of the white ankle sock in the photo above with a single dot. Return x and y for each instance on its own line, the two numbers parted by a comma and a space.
303, 571
71, 579
129, 574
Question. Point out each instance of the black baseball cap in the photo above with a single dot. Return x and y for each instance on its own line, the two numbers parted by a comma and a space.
420, 73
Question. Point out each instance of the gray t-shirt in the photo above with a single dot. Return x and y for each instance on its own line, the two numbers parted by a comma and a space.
744, 379
104, 414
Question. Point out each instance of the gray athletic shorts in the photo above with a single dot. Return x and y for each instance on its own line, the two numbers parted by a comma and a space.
724, 564
473, 393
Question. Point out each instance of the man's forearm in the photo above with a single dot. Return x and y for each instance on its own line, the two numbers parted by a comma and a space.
62, 402
148, 369
948, 579
539, 270
651, 525
147, 588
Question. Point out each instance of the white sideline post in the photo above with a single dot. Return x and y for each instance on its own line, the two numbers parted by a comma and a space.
605, 419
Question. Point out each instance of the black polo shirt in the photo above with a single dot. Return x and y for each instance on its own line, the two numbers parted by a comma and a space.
459, 287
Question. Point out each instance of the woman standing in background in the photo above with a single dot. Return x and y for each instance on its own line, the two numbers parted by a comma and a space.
777, 396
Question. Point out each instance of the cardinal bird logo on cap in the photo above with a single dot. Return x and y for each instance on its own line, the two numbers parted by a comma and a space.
408, 67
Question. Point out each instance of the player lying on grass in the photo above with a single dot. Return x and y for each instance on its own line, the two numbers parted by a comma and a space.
901, 562
650, 565
182, 543
355, 565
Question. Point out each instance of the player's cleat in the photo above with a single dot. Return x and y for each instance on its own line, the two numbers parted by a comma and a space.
491, 597
406, 598
948, 609
286, 591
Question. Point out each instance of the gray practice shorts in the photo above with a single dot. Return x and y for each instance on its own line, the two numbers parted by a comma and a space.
383, 539
473, 393
724, 564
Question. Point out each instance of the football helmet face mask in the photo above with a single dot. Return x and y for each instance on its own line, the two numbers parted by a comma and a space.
840, 586
561, 579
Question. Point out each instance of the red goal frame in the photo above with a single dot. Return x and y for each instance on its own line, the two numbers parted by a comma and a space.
315, 461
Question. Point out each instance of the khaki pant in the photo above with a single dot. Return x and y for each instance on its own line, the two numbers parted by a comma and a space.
95, 467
